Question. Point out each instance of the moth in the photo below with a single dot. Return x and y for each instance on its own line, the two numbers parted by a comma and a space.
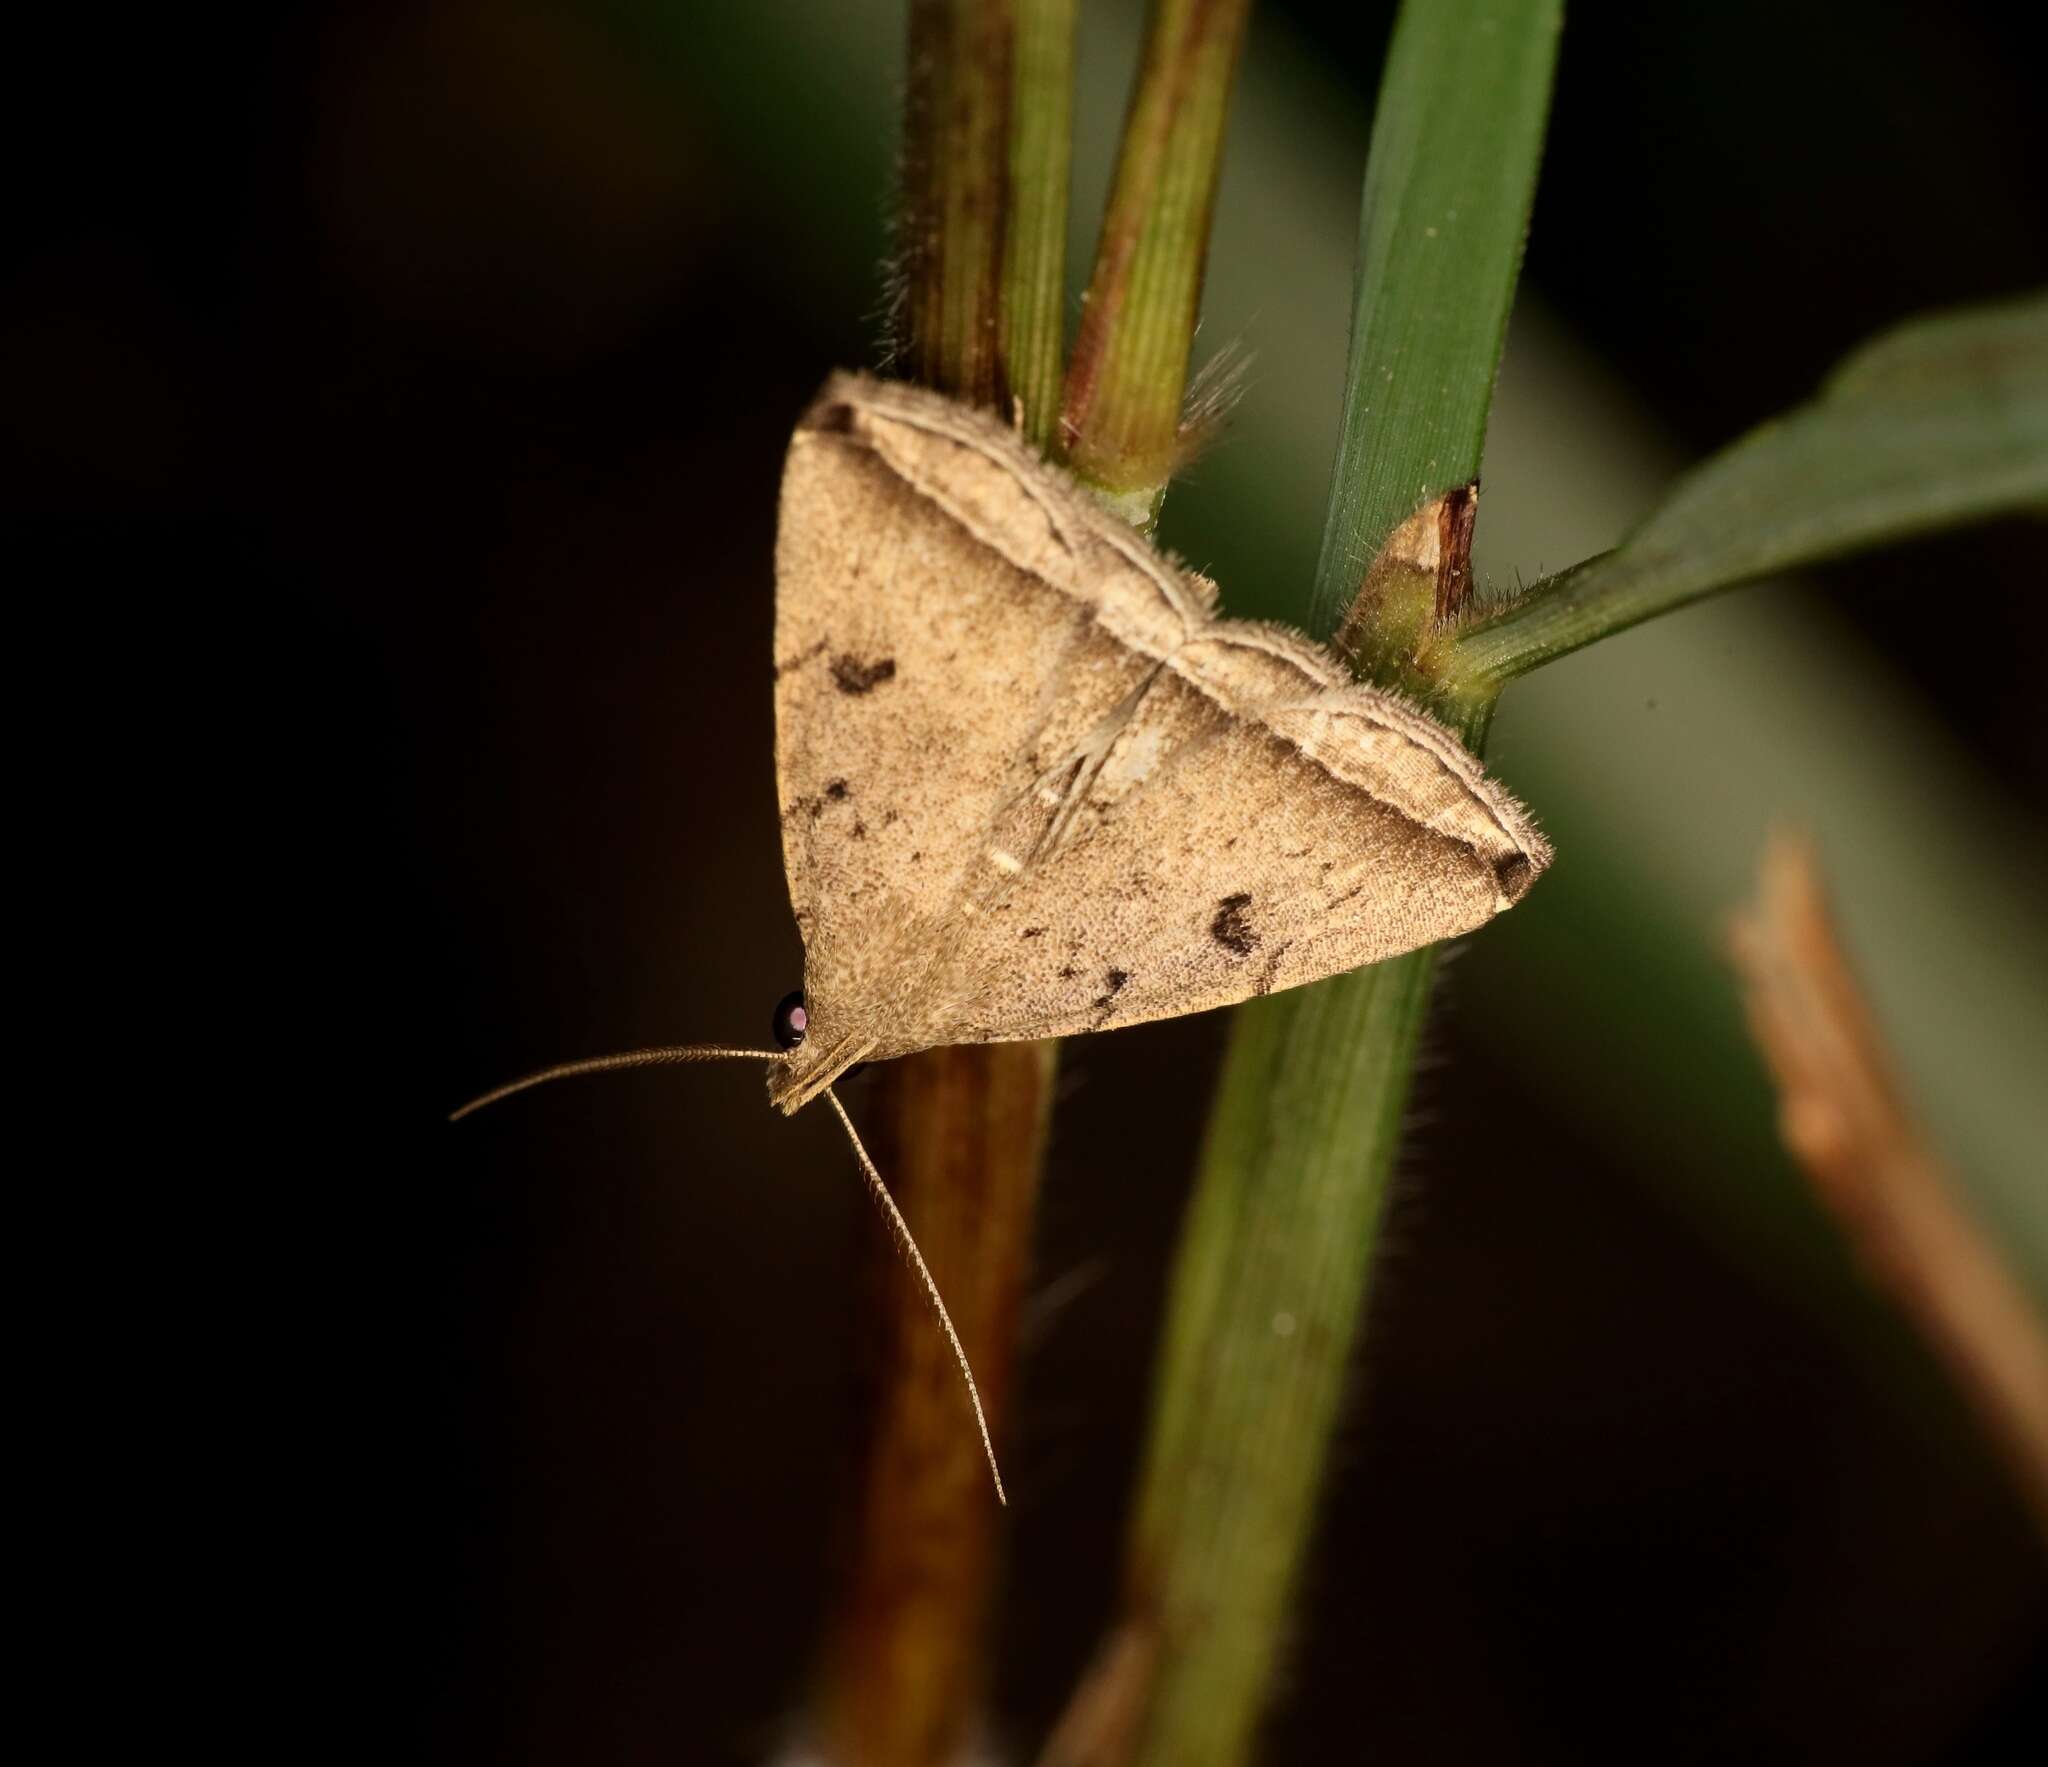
1031, 784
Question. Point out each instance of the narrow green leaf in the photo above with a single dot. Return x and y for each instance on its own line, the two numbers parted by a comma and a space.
1942, 421
1455, 146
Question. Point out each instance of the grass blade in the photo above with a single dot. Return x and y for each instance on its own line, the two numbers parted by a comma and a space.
1448, 184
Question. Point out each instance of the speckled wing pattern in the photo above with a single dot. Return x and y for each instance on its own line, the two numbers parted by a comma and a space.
1031, 785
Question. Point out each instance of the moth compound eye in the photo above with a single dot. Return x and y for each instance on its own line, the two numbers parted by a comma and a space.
790, 1021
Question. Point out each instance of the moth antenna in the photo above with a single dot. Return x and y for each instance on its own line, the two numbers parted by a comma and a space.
900, 1229
607, 1064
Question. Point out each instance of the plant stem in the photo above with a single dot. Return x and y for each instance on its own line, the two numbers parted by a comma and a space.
1125, 386
988, 121
1278, 1248
958, 1133
1304, 1127
955, 144
1033, 308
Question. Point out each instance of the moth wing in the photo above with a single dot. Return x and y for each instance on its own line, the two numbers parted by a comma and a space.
951, 618
1260, 823
1030, 785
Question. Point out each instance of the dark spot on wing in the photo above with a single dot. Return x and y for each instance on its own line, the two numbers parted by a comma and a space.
1232, 927
1068, 973
1515, 874
860, 829
835, 793
1115, 980
1031, 932
856, 675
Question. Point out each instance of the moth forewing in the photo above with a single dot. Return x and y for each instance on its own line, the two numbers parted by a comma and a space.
1031, 785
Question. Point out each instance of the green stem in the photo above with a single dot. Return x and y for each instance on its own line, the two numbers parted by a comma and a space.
1033, 309
988, 122
1304, 1127
1273, 1268
1128, 378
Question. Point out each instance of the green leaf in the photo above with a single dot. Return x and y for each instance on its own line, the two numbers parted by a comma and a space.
1942, 421
1455, 145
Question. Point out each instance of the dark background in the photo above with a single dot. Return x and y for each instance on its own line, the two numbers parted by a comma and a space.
394, 403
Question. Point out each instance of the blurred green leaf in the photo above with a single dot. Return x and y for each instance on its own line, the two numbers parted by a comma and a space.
1942, 421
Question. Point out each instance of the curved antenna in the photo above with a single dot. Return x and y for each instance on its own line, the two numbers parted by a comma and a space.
908, 1246
607, 1064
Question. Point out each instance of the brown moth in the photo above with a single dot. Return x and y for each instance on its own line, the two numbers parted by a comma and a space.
1032, 785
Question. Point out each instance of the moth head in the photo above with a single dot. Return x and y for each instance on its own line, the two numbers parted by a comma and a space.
813, 1057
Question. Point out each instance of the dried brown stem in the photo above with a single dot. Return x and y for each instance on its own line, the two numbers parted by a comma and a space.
955, 197
959, 1132
983, 227
1842, 1115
